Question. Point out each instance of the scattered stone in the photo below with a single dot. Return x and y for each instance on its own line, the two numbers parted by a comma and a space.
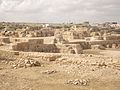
36, 63
81, 82
16, 53
14, 66
49, 72
93, 64
90, 55
26, 63
103, 64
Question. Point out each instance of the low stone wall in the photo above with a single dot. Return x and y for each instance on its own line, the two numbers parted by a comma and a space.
34, 47
31, 40
105, 43
112, 37
50, 48
83, 44
70, 48
23, 46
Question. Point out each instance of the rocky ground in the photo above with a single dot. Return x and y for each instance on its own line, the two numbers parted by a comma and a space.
74, 72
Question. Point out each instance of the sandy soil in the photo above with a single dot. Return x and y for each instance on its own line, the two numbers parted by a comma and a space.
101, 77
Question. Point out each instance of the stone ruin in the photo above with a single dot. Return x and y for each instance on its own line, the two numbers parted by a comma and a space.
72, 40
34, 45
40, 45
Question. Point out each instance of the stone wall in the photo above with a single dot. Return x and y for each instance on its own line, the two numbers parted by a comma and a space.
48, 40
50, 48
34, 45
17, 40
112, 37
70, 35
70, 48
83, 44
105, 43
23, 46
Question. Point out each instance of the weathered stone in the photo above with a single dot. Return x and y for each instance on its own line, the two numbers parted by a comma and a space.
49, 72
78, 82
28, 65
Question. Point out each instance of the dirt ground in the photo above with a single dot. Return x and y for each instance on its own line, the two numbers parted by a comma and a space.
55, 75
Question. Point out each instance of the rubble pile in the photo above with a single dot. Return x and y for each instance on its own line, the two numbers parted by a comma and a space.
88, 60
25, 63
81, 82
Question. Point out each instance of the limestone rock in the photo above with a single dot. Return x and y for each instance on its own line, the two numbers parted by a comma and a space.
81, 82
